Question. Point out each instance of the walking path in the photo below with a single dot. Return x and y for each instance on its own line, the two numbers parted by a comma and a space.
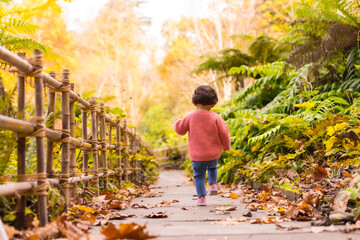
187, 221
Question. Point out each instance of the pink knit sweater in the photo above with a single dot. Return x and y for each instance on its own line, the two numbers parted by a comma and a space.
208, 134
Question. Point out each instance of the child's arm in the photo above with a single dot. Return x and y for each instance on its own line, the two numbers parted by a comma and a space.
181, 126
224, 134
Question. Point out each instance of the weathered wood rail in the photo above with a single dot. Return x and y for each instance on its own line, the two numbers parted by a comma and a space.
172, 156
96, 146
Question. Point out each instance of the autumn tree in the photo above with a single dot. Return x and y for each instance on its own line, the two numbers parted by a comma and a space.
109, 51
51, 31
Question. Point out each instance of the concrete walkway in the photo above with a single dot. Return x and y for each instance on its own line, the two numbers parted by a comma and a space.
187, 221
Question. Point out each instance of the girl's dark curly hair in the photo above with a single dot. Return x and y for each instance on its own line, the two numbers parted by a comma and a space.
205, 95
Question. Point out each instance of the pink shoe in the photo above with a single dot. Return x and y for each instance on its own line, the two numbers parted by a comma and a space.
213, 189
201, 201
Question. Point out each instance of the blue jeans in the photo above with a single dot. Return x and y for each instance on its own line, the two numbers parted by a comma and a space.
200, 174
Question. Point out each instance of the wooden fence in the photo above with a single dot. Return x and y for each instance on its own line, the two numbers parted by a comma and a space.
171, 157
124, 142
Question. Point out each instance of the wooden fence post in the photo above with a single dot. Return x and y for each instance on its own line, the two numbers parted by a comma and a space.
21, 147
118, 149
111, 165
65, 163
49, 143
126, 147
136, 162
131, 152
103, 144
72, 134
85, 138
40, 152
110, 159
94, 138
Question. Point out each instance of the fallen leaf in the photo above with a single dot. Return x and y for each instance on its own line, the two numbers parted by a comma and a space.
292, 174
101, 222
265, 220
319, 173
292, 212
306, 207
116, 204
125, 231
248, 214
346, 174
157, 215
118, 216
151, 194
230, 221
303, 218
226, 208
69, 229
234, 195
323, 229
286, 228
340, 203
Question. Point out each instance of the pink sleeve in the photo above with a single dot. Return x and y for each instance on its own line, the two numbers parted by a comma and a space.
181, 126
224, 134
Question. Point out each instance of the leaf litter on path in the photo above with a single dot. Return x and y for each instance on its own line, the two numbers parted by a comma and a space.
153, 205
125, 231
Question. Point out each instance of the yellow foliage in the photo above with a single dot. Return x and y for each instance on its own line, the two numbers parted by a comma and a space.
338, 127
256, 147
305, 105
330, 143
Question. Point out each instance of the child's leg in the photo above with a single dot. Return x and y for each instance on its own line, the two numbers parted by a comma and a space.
199, 177
212, 171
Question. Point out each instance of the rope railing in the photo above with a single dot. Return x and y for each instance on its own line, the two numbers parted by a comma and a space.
124, 142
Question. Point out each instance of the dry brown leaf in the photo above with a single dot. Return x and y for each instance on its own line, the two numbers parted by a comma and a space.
119, 205
303, 205
265, 220
292, 212
231, 221
125, 231
108, 195
118, 216
267, 188
286, 228
151, 194
323, 229
354, 227
248, 214
70, 230
346, 174
303, 218
312, 199
319, 173
340, 204
292, 173
157, 215
226, 208
101, 222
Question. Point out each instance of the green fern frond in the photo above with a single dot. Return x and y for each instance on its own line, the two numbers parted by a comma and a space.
265, 136
17, 26
16, 43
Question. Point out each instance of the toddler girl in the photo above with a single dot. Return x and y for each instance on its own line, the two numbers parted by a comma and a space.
208, 136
